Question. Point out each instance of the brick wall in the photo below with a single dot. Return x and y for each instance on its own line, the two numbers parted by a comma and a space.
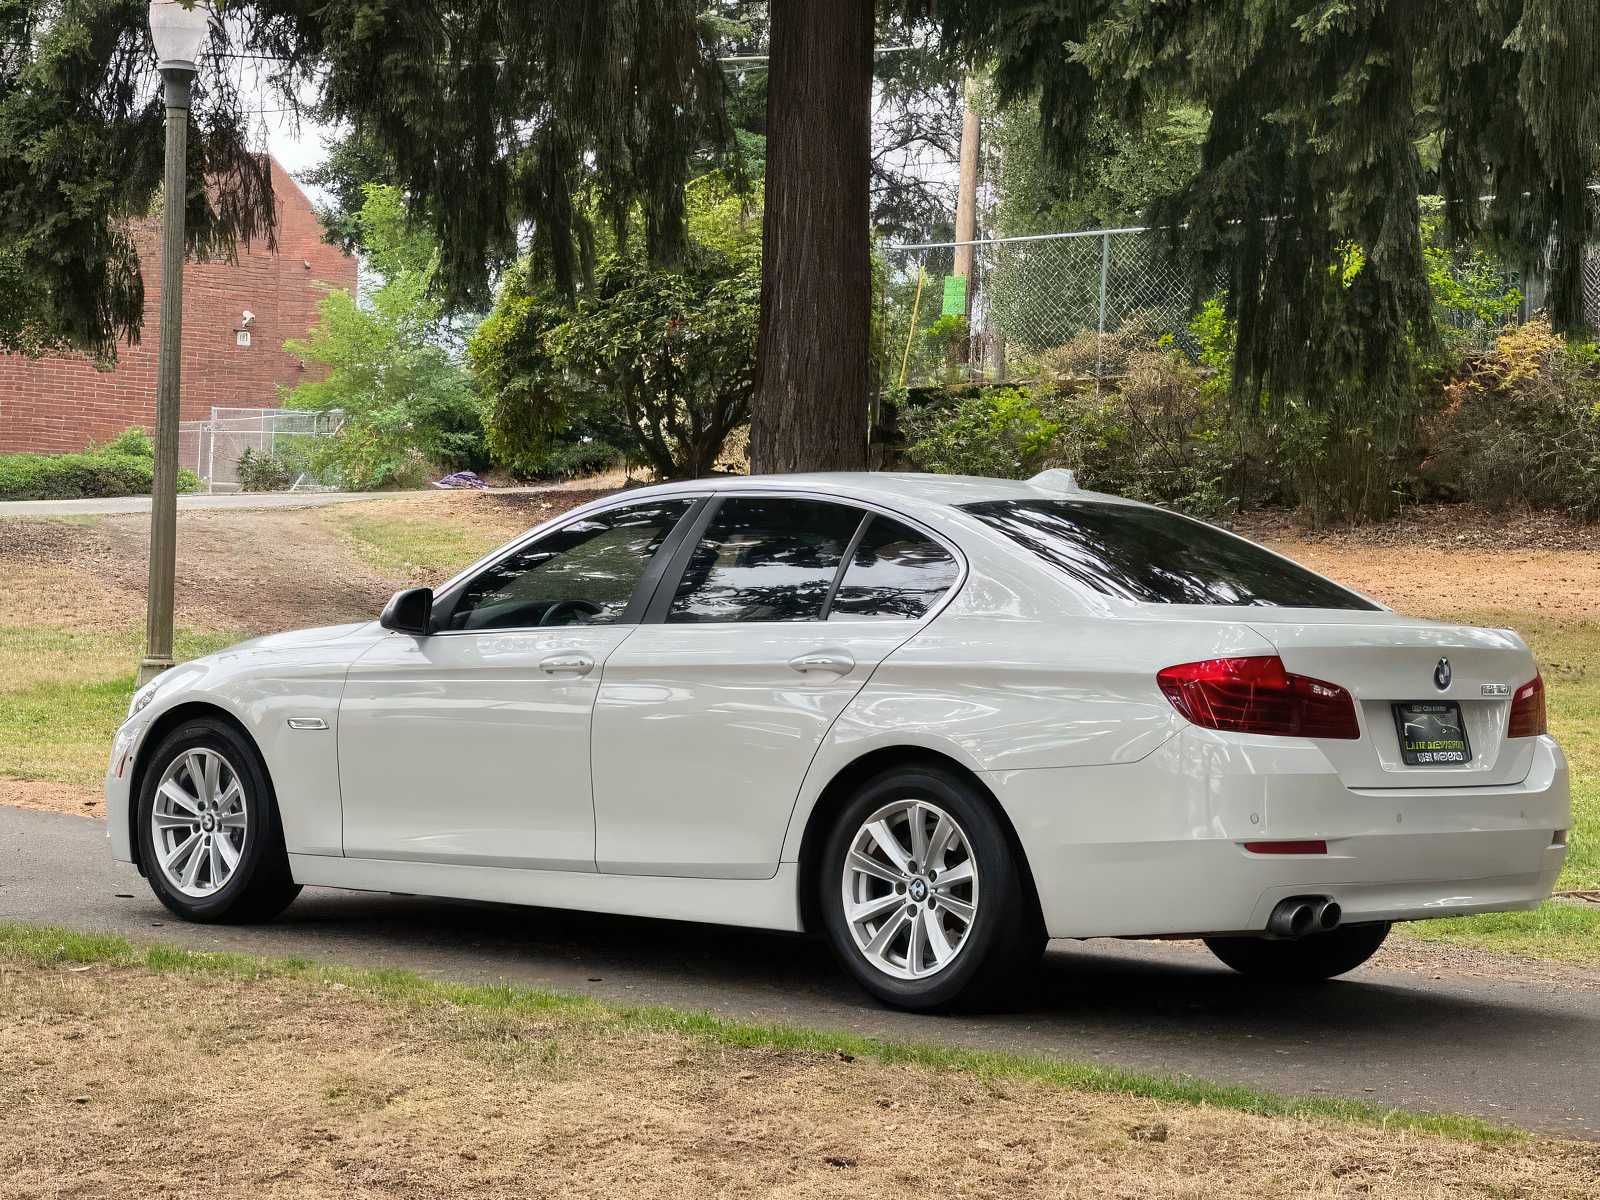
61, 403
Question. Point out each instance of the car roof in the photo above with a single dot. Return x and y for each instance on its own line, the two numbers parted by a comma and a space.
892, 487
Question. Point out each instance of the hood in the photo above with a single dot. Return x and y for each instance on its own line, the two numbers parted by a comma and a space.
295, 639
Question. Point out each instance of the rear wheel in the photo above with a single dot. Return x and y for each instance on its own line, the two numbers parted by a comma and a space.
1307, 960
209, 836
923, 899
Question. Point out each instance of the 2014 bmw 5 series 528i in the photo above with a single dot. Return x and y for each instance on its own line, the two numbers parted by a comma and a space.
937, 719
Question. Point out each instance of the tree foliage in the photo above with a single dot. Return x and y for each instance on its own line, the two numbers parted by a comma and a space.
672, 351
1114, 183
409, 406
81, 153
1306, 196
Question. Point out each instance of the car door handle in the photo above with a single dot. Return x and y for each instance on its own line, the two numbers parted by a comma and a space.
838, 662
567, 664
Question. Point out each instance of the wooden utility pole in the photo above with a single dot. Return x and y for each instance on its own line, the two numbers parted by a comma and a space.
967, 194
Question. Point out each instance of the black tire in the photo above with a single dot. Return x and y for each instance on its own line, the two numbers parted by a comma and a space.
1308, 960
1006, 936
260, 886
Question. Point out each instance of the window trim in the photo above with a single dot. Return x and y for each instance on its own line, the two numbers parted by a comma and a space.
672, 576
449, 596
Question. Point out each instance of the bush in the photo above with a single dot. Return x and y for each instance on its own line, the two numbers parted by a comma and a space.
1002, 432
263, 471
1521, 425
1160, 433
124, 466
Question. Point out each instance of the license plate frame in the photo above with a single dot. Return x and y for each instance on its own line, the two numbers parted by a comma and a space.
1425, 727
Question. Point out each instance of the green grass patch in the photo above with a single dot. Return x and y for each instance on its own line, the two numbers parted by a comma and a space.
412, 546
48, 946
1555, 930
63, 694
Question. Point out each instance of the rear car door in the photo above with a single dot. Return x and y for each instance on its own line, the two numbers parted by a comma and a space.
471, 745
772, 616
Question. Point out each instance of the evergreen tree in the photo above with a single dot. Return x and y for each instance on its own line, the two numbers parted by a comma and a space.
1306, 196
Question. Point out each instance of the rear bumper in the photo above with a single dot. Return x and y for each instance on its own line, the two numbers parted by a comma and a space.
1156, 847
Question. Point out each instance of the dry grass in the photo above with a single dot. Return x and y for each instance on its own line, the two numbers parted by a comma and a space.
120, 1081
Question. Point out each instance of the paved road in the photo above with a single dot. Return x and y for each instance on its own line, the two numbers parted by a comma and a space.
1520, 1052
118, 505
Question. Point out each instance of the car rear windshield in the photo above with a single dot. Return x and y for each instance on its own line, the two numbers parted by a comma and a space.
1158, 557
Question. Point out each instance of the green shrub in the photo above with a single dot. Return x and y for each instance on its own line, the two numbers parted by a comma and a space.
1521, 425
264, 471
124, 466
1001, 432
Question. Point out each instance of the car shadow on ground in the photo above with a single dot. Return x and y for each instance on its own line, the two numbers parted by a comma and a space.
1152, 994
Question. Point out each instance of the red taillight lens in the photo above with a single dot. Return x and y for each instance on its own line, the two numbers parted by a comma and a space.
1256, 695
1527, 709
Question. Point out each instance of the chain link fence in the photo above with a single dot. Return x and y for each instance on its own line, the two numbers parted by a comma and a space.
212, 448
1045, 303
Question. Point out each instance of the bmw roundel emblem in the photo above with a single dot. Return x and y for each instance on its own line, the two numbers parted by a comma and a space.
1441, 674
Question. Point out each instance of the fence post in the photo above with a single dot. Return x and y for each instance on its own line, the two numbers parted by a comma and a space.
1100, 340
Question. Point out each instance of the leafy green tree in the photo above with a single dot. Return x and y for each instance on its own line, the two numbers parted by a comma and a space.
671, 352
1113, 185
1306, 195
409, 406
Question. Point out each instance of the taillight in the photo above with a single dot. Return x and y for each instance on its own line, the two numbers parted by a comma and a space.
1527, 709
1256, 695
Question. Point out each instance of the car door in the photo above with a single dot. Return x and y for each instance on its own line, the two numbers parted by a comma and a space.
471, 745
761, 632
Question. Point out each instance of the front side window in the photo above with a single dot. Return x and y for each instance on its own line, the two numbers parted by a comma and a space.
1158, 557
895, 572
581, 574
765, 559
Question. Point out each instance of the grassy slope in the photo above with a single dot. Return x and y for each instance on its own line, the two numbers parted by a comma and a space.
63, 694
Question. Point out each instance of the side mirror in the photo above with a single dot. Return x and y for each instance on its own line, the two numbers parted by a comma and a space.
409, 611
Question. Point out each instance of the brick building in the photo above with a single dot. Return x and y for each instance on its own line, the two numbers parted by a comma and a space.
62, 403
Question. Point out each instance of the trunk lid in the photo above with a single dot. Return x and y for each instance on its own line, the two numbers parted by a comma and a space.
1383, 659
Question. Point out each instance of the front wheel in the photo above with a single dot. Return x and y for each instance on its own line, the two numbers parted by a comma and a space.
210, 841
1308, 960
923, 899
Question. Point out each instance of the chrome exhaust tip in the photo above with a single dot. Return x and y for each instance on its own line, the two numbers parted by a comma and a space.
1329, 916
1294, 917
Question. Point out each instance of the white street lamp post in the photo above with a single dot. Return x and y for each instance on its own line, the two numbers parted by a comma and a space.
179, 28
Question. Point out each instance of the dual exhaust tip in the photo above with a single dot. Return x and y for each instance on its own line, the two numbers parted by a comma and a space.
1299, 916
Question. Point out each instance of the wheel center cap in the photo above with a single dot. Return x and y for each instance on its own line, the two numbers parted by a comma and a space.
919, 890
208, 822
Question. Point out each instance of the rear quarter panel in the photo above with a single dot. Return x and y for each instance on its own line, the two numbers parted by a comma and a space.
1005, 694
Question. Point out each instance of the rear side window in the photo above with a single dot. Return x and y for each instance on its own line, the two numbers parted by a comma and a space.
1158, 557
895, 572
765, 560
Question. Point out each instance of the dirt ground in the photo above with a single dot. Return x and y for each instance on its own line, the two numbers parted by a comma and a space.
255, 570
1440, 559
116, 1082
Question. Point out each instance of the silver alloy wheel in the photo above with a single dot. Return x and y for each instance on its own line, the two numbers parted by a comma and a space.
910, 889
199, 822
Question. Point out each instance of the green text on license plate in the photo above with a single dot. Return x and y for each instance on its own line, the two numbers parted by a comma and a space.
1431, 733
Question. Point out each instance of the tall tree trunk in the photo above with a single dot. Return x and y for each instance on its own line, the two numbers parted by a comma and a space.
810, 408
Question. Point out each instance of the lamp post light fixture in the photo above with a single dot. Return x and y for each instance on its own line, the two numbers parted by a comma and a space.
178, 28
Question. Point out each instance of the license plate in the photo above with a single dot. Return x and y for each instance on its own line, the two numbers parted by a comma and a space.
1431, 734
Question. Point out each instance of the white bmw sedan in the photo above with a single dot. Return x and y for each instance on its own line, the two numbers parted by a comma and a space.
938, 719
